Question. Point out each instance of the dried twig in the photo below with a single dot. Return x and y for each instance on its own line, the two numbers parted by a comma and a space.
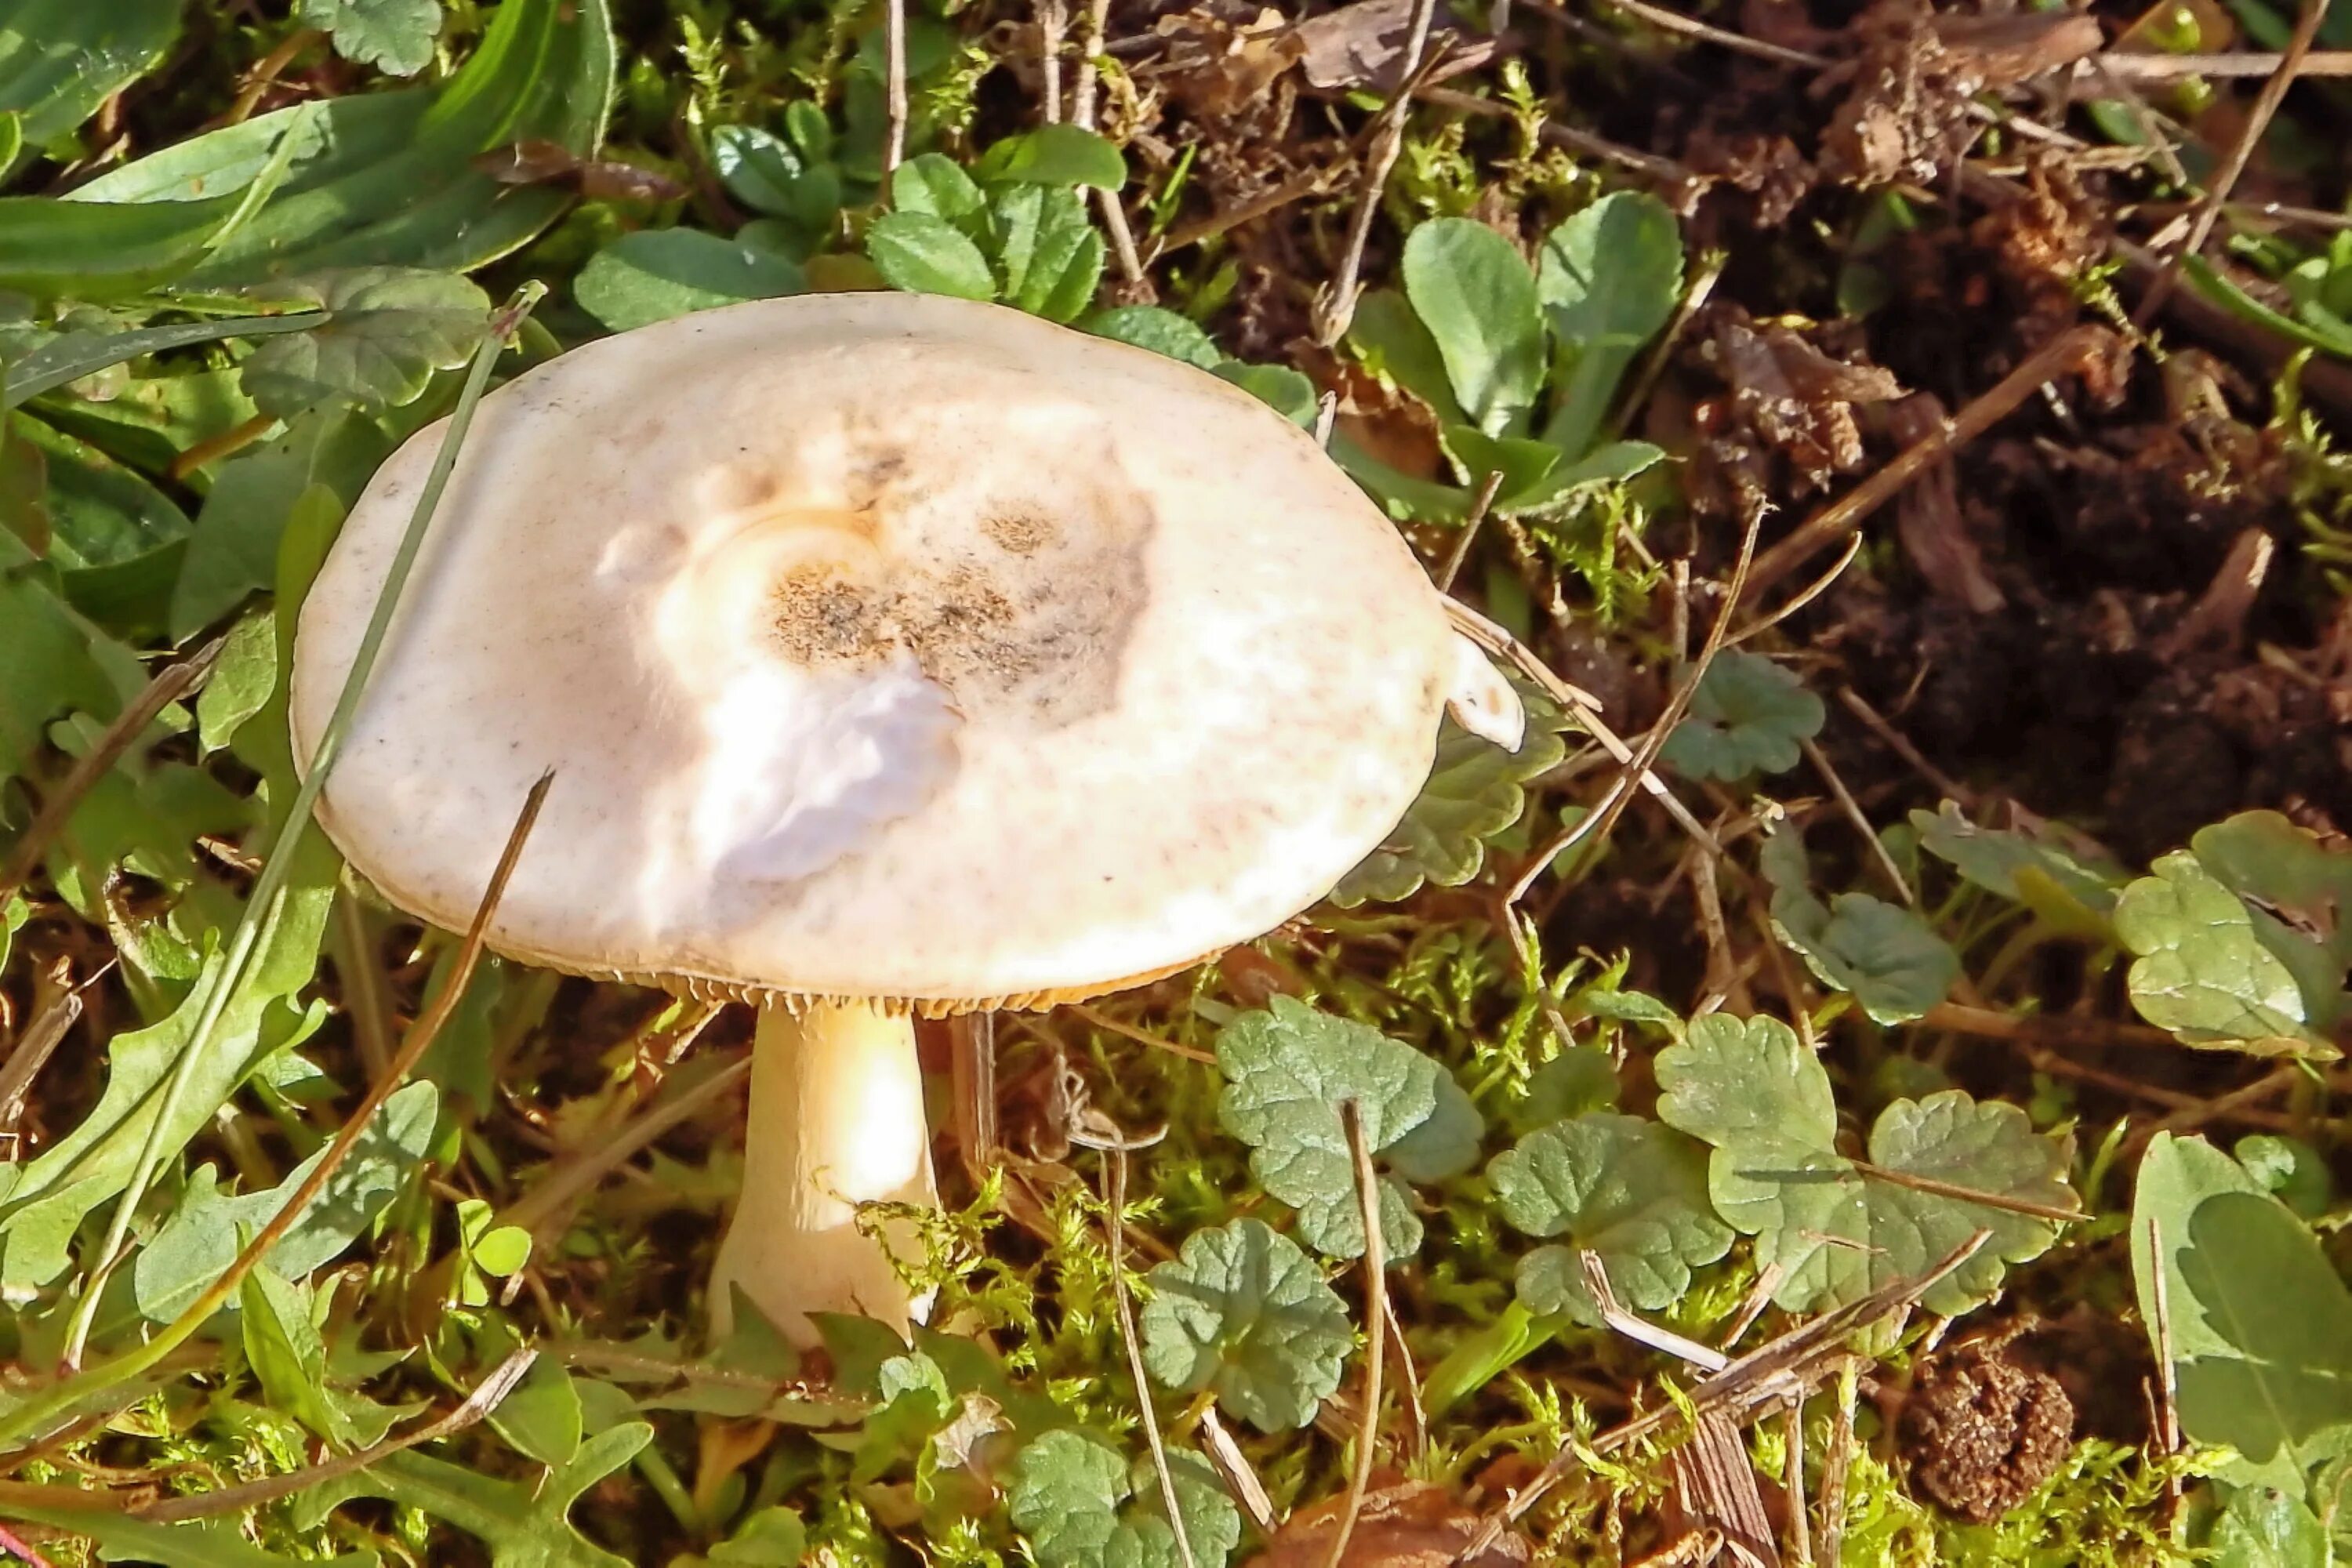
1760, 1378
1052, 21
1854, 814
2266, 103
2170, 68
1376, 1298
1639, 1330
576, 1174
1899, 744
1102, 1020
2000, 1200
1115, 1223
894, 87
1835, 1465
2168, 1382
33, 1049
1240, 1475
1479, 507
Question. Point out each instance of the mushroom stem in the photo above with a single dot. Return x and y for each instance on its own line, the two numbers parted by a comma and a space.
837, 1120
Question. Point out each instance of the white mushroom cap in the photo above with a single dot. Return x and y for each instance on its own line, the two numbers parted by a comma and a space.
885, 646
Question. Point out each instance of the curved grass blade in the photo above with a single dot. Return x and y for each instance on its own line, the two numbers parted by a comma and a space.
77, 354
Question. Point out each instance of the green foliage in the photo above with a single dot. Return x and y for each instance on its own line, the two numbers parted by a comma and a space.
388, 329
1082, 1503
1472, 291
2237, 940
1609, 278
771, 1538
1478, 336
1018, 233
212, 1543
1165, 332
523, 1524
1746, 717
2071, 886
2266, 1528
1886, 956
205, 1233
61, 59
1288, 1070
395, 36
1475, 791
1242, 1309
653, 275
1625, 1188
2260, 1323
1751, 1091
379, 179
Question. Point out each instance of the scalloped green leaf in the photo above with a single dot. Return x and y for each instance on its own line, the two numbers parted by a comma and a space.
1083, 1504
1475, 791
387, 330
2075, 891
394, 35
1288, 1070
1622, 1187
1751, 1091
1242, 1309
1746, 717
1886, 956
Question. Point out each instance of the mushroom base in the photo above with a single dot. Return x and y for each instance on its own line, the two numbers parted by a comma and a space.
837, 1120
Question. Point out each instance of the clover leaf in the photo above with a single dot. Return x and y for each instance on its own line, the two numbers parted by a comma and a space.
1622, 1187
1747, 717
2073, 889
1751, 1091
1288, 1070
1475, 791
1243, 1308
1083, 1504
1890, 959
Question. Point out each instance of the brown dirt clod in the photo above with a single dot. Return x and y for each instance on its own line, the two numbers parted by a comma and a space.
1981, 1433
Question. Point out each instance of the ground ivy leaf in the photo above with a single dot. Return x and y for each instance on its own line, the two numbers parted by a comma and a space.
388, 329
1444, 1145
1747, 717
1889, 958
394, 35
1083, 1505
2201, 972
1753, 1092
1243, 1308
2261, 1322
1474, 294
1733, 1081
1627, 1188
1475, 791
525, 1525
1286, 1072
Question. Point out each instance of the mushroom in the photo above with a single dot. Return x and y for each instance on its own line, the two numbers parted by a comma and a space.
895, 654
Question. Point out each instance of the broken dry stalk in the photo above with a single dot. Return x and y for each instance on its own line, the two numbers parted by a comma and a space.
1114, 1155
1376, 1299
